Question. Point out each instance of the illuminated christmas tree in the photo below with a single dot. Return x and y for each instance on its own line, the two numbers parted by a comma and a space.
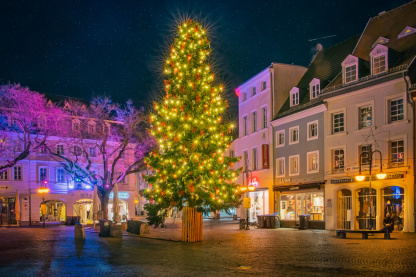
190, 167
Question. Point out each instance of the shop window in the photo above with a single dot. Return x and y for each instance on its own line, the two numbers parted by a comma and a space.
316, 211
17, 170
365, 117
396, 110
366, 205
344, 209
287, 207
393, 203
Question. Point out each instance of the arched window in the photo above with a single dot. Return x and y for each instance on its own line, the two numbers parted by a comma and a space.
393, 203
366, 208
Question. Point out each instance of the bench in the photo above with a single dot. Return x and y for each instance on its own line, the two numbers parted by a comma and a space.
364, 233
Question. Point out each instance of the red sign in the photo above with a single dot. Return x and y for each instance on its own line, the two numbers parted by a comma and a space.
265, 159
253, 181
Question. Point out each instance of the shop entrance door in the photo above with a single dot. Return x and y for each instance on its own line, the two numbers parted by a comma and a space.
8, 213
344, 209
303, 204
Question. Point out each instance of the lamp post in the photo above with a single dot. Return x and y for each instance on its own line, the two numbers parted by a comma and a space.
43, 189
247, 189
380, 175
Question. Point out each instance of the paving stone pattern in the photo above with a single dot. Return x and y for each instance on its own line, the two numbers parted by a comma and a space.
225, 251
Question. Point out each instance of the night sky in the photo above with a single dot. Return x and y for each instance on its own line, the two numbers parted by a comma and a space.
116, 48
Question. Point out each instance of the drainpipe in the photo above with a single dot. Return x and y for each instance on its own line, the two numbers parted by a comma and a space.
271, 70
412, 104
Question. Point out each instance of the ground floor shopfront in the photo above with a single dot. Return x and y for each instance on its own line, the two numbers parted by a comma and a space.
351, 204
295, 200
74, 206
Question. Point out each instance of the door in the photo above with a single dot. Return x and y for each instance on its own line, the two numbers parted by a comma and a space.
344, 209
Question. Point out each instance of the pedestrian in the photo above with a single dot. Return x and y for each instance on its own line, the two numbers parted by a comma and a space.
388, 226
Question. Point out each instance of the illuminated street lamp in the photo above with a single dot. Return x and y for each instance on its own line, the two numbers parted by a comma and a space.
43, 189
381, 175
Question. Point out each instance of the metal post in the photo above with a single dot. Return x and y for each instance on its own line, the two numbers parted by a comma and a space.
370, 159
43, 202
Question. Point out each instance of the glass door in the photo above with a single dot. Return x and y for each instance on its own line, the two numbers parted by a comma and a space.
300, 205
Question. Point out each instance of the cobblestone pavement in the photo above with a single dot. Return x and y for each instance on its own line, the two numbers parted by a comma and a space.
225, 251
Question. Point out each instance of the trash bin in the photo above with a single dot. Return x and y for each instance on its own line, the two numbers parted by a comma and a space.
105, 227
276, 220
303, 222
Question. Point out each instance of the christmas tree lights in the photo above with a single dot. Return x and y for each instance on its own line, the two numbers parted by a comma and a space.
190, 168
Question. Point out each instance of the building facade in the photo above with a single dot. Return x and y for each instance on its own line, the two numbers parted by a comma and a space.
259, 98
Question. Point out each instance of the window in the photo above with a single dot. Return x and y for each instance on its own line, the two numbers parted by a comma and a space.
43, 149
313, 162
365, 117
350, 73
294, 135
255, 165
245, 126
244, 96
294, 165
91, 127
280, 167
338, 160
232, 154
280, 138
397, 152
92, 152
264, 117
43, 174
76, 125
365, 158
4, 176
314, 88
17, 170
60, 149
294, 97
379, 64
263, 85
77, 151
337, 123
254, 121
396, 110
60, 175
245, 160
253, 91
312, 130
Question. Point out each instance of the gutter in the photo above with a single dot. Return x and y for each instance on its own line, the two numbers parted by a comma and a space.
412, 104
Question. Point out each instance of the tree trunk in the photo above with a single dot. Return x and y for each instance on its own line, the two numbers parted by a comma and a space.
191, 225
104, 204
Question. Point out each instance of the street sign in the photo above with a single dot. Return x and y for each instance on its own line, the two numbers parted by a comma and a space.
6, 187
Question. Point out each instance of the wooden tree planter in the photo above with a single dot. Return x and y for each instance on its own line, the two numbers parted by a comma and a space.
191, 225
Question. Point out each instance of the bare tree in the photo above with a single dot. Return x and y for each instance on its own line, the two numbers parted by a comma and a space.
107, 143
27, 120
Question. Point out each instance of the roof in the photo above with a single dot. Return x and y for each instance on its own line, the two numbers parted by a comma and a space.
60, 99
325, 66
388, 25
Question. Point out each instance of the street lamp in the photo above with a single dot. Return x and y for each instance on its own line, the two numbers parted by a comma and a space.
43, 189
381, 175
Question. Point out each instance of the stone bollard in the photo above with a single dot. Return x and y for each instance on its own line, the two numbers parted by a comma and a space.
115, 231
105, 227
144, 229
79, 232
124, 226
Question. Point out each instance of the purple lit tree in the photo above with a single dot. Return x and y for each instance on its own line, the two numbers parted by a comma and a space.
27, 120
107, 143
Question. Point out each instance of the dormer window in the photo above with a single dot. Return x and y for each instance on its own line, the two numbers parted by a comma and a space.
350, 69
380, 40
379, 59
315, 88
294, 97
407, 31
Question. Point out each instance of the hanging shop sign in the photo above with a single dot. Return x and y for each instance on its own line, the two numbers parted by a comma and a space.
121, 195
265, 150
247, 203
253, 182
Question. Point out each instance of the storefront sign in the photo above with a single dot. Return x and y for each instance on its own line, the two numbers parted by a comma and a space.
285, 180
293, 188
5, 187
247, 203
121, 195
253, 182
265, 148
339, 181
